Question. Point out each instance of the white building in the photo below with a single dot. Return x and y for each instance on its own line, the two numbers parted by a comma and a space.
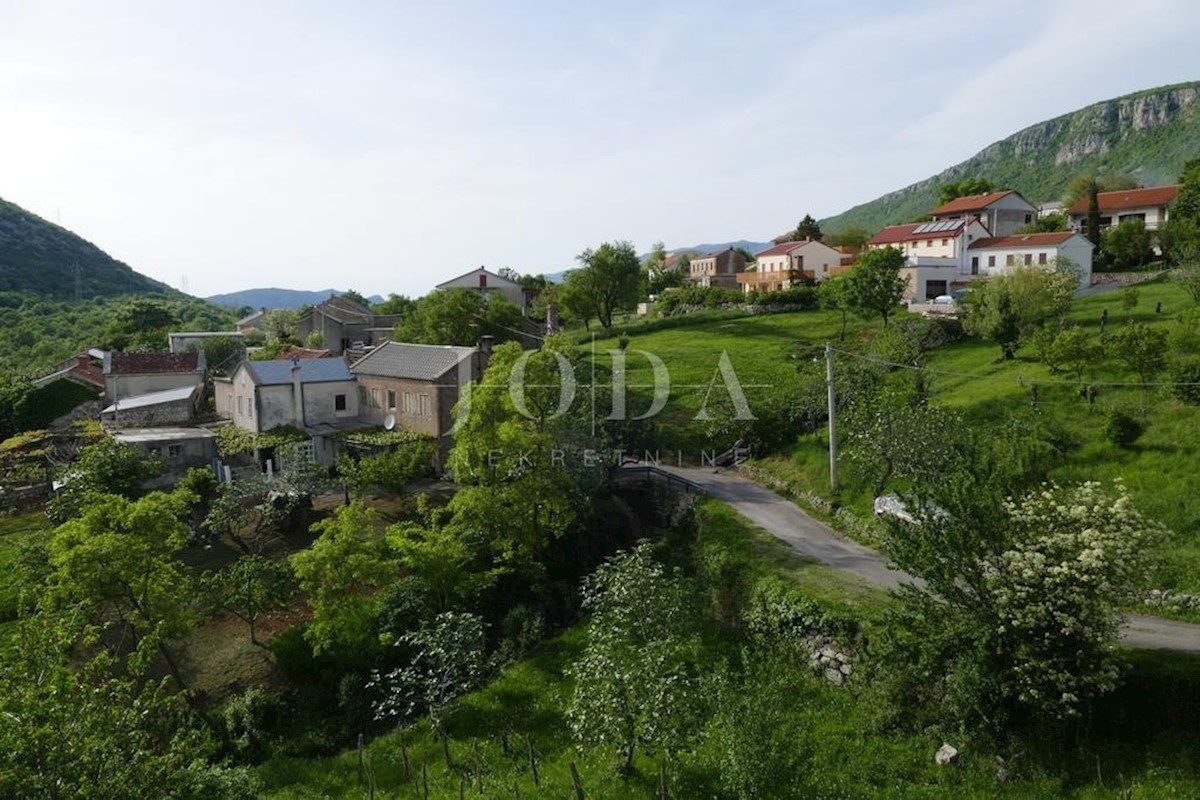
305, 393
775, 266
1151, 205
486, 282
1000, 212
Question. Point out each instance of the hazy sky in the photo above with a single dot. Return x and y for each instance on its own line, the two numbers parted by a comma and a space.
388, 146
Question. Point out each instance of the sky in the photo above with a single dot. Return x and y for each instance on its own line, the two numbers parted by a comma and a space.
388, 146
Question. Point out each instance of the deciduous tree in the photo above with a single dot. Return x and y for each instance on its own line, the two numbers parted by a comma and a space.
250, 587
874, 284
612, 271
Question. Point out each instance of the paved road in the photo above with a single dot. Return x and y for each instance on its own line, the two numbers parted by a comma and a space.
784, 519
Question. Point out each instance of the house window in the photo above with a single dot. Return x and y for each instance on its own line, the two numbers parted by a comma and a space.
991, 261
374, 397
241, 412
424, 406
174, 451
1028, 218
1028, 259
945, 242
391, 397
1041, 258
1011, 260
482, 281
339, 402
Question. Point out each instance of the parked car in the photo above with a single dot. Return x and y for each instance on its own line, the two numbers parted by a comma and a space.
944, 300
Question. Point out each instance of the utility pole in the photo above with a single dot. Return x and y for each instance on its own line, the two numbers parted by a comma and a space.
834, 481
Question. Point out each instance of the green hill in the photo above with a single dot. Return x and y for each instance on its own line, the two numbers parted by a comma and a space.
1148, 135
41, 258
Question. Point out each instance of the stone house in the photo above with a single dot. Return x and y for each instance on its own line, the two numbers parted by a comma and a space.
179, 448
305, 393
344, 324
132, 374
168, 407
417, 386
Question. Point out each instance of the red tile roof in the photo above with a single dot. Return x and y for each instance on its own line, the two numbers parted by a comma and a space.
973, 202
1125, 199
153, 363
782, 249
897, 234
1024, 240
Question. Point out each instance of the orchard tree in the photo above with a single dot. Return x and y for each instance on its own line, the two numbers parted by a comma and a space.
459, 316
834, 295
104, 467
1187, 204
341, 572
1142, 348
891, 435
250, 587
1007, 308
874, 284
1129, 244
612, 271
450, 660
635, 684
119, 561
578, 296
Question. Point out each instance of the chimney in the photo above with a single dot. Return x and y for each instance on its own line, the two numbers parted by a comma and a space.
297, 394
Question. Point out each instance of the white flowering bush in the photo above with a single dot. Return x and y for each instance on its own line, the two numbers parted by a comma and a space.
635, 684
1077, 555
1017, 616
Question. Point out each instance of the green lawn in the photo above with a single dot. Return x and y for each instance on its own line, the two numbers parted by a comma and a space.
1159, 468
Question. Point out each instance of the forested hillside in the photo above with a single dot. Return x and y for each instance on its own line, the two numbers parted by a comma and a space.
1147, 135
39, 257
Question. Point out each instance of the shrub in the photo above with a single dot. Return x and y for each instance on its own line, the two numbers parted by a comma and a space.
1185, 375
1121, 428
521, 630
247, 720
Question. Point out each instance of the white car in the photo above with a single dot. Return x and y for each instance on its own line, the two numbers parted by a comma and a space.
944, 300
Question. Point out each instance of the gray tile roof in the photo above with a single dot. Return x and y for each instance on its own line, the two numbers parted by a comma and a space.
420, 362
312, 370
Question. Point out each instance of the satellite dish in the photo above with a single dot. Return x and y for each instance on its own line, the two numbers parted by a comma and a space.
389, 421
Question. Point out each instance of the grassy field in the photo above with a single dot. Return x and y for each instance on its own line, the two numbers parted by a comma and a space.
844, 753
764, 351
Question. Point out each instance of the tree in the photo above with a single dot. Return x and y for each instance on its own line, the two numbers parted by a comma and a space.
874, 284
964, 188
635, 684
852, 236
119, 561
394, 304
141, 324
1047, 223
451, 660
612, 271
578, 298
341, 572
1075, 350
1007, 308
1083, 186
279, 324
250, 587
1129, 244
76, 726
390, 471
1142, 348
808, 228
834, 295
355, 297
1180, 242
1187, 203
1022, 598
1129, 299
222, 354
460, 317
889, 435
104, 467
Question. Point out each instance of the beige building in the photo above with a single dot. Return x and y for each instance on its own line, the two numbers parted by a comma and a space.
486, 282
716, 269
776, 267
1151, 205
417, 386
1000, 212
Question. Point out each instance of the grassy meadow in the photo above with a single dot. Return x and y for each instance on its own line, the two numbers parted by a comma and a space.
967, 375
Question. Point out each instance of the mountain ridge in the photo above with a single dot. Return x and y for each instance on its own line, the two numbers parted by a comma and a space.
276, 297
1147, 134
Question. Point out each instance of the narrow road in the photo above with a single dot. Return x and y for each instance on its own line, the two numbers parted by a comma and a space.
785, 520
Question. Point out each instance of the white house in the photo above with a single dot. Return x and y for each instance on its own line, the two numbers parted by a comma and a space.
775, 266
1003, 254
1000, 212
1151, 205
487, 282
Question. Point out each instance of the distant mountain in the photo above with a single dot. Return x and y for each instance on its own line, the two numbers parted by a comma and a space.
753, 247
1148, 135
40, 258
277, 298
